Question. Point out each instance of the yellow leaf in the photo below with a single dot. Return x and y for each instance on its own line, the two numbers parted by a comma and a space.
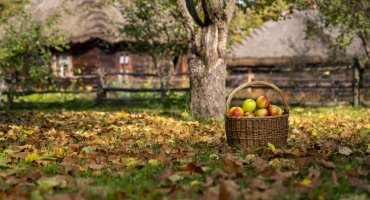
271, 146
314, 133
153, 162
58, 152
30, 132
97, 173
32, 157
131, 162
83, 169
321, 116
306, 182
367, 126
89, 87
195, 182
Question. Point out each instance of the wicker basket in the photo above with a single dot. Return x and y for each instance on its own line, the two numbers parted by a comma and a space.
257, 131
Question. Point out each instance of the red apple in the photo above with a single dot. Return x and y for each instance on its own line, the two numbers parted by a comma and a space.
275, 110
248, 114
236, 112
263, 102
263, 112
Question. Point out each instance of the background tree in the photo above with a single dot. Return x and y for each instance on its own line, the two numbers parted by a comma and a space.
246, 19
155, 31
9, 8
26, 52
350, 17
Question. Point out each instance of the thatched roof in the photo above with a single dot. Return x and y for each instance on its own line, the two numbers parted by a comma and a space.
82, 20
285, 42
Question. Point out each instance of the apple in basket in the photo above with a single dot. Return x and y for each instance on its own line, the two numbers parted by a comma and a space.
249, 105
275, 110
248, 114
263, 112
236, 112
263, 102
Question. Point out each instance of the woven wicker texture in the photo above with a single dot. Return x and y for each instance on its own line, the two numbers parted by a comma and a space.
257, 131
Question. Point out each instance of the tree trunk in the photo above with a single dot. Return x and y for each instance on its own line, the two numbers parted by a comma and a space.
207, 94
207, 54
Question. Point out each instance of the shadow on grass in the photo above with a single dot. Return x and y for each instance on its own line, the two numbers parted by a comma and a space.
177, 110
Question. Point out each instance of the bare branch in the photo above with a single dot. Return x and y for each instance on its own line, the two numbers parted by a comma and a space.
363, 36
187, 19
229, 11
206, 14
193, 12
213, 9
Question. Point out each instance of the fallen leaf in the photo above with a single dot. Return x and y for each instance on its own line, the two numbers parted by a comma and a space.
153, 162
306, 182
195, 182
334, 179
175, 178
165, 175
314, 133
271, 147
228, 190
95, 166
51, 182
232, 167
193, 168
211, 194
296, 152
345, 151
209, 182
327, 164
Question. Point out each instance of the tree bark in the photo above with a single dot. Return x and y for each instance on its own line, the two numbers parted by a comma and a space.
207, 89
207, 54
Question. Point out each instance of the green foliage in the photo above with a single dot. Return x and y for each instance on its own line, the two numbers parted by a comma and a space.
26, 50
154, 27
9, 7
350, 17
250, 16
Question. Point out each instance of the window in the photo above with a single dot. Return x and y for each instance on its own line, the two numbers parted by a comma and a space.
63, 66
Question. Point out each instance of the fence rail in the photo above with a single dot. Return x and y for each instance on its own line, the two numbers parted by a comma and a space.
352, 86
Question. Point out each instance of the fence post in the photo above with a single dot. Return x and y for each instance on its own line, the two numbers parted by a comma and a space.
9, 81
356, 82
100, 79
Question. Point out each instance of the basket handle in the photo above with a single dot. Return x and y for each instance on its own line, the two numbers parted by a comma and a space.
245, 85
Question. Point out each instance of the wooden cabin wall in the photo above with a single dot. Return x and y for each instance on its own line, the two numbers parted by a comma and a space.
85, 61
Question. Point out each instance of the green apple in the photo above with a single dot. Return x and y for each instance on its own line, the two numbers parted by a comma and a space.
249, 105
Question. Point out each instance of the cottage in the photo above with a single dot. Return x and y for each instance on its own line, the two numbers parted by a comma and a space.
305, 65
92, 30
287, 42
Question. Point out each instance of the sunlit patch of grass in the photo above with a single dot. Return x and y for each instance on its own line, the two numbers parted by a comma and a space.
50, 169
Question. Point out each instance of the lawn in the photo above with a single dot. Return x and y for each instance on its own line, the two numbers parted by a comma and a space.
165, 154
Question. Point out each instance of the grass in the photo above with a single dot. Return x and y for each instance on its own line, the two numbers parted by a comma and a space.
126, 152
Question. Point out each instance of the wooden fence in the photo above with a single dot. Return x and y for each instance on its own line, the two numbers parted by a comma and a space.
342, 85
